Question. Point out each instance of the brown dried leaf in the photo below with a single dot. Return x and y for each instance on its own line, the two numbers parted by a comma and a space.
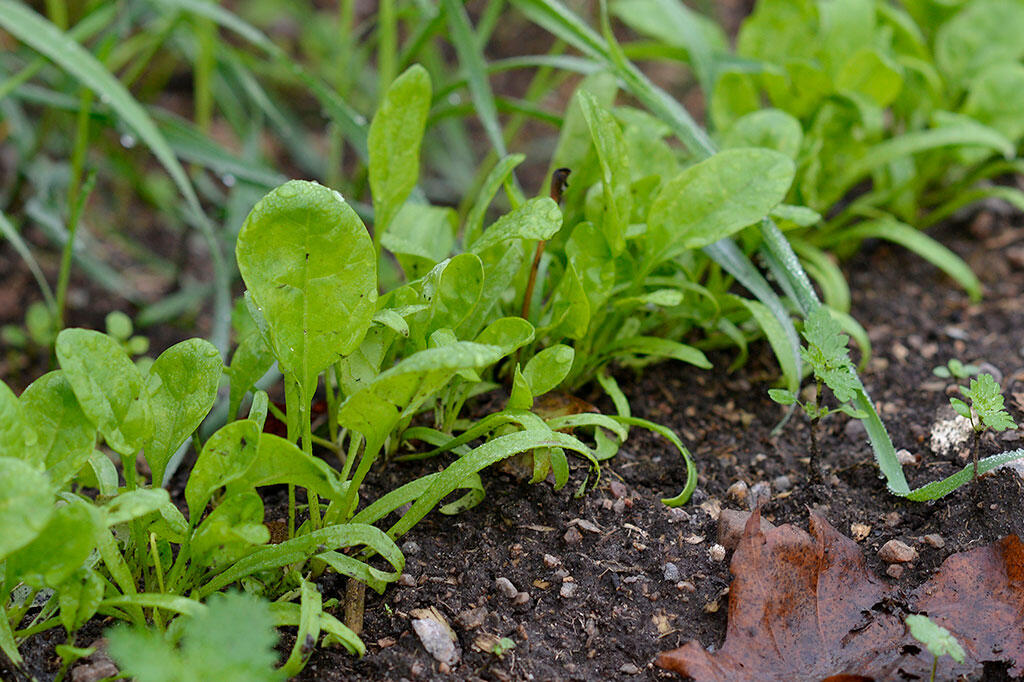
804, 606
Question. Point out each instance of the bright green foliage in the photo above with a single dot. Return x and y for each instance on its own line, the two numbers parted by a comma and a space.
828, 356
182, 385
309, 266
986, 404
66, 437
395, 136
26, 504
955, 368
108, 386
231, 639
938, 640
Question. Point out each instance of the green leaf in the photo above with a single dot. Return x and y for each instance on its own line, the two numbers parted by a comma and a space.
60, 549
870, 73
231, 639
537, 219
782, 396
661, 348
249, 363
828, 355
452, 291
66, 436
767, 128
520, 397
507, 333
182, 386
987, 401
108, 386
135, 504
17, 436
567, 312
400, 391
615, 177
548, 368
317, 543
287, 614
230, 531
280, 461
310, 269
996, 97
498, 176
961, 408
937, 489
982, 33
311, 609
396, 134
938, 640
226, 456
421, 236
718, 197
79, 597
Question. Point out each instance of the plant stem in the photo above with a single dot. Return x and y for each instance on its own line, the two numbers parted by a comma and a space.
558, 184
975, 445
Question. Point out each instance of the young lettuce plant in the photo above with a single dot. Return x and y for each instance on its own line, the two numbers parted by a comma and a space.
827, 355
986, 411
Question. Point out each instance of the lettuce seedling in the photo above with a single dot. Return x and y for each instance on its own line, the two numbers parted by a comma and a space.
938, 640
986, 410
955, 368
827, 355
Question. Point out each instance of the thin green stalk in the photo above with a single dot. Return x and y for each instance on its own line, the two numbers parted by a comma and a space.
206, 60
387, 46
158, 568
64, 278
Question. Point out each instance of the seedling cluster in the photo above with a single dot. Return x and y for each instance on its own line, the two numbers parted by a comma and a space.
397, 312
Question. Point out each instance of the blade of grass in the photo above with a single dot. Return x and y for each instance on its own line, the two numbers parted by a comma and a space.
12, 235
42, 36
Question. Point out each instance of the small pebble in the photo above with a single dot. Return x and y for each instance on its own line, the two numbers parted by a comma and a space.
782, 483
859, 531
716, 552
686, 586
906, 457
676, 515
897, 552
411, 547
572, 536
436, 640
671, 572
568, 590
760, 493
619, 506
472, 618
406, 580
521, 598
934, 540
506, 587
629, 669
92, 672
618, 490
552, 561
892, 519
738, 491
894, 570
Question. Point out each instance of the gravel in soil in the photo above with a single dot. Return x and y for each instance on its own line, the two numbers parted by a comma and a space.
594, 587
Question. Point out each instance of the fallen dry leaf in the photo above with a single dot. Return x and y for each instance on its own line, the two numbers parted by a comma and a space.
804, 607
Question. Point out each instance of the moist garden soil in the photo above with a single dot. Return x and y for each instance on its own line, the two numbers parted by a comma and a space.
614, 577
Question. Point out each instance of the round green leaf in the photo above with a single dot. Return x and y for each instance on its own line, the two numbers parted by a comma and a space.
26, 504
309, 265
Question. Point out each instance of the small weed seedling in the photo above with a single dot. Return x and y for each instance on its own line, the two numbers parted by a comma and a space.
827, 354
986, 410
955, 369
937, 639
